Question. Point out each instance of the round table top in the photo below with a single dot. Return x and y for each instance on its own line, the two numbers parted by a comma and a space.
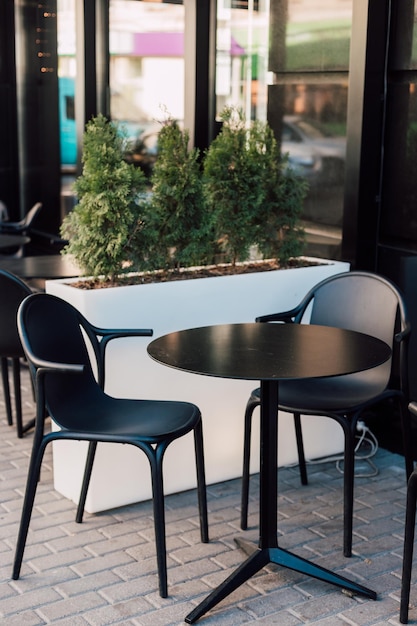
269, 351
11, 241
47, 266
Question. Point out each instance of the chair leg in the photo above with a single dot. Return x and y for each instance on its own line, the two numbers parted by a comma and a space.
300, 449
410, 519
406, 437
31, 485
250, 407
20, 427
201, 482
17, 396
348, 485
155, 458
6, 389
92, 447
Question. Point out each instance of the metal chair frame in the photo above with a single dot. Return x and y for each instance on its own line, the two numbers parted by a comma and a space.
347, 416
68, 391
13, 291
409, 531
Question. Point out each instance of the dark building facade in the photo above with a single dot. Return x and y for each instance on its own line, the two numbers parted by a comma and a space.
363, 78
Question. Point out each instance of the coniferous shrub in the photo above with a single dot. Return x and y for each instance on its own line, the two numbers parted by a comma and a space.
109, 215
234, 183
279, 234
240, 195
178, 211
253, 195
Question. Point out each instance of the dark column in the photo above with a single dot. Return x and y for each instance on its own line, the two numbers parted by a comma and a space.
200, 56
277, 65
92, 83
37, 110
366, 118
9, 187
85, 84
398, 228
103, 56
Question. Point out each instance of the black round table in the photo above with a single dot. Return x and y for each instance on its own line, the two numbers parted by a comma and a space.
35, 270
269, 353
47, 266
12, 241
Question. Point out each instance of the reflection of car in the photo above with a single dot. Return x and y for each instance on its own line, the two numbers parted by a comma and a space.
313, 153
144, 148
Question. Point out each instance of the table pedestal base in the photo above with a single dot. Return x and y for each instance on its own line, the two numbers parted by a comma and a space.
256, 561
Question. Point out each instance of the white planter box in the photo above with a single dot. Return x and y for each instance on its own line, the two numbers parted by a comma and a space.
121, 473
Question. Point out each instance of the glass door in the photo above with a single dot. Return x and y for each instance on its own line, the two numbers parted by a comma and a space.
146, 71
242, 43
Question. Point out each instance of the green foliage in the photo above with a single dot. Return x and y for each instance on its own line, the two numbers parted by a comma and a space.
278, 231
179, 217
254, 197
108, 215
242, 194
233, 172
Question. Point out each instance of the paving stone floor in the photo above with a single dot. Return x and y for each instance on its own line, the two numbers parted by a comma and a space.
104, 570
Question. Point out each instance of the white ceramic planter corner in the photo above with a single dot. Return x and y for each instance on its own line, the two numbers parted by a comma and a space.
121, 473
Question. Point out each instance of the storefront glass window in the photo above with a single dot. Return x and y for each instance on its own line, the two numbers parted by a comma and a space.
307, 106
147, 61
146, 71
242, 42
287, 61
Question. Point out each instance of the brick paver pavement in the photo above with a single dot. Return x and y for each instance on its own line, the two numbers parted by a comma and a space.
104, 570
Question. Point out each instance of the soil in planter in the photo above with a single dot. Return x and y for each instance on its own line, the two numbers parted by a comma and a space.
162, 276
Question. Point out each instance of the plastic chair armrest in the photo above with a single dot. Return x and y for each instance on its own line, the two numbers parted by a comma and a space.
115, 333
43, 368
412, 407
47, 367
52, 366
107, 334
288, 317
11, 227
403, 334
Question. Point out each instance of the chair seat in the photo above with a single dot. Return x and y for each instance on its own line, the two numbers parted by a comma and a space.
342, 393
150, 421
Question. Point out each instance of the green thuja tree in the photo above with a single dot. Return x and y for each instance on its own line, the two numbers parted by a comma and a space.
279, 234
233, 173
179, 217
108, 222
253, 195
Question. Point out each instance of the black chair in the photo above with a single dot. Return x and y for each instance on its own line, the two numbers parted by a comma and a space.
410, 520
53, 336
12, 292
363, 302
4, 214
23, 227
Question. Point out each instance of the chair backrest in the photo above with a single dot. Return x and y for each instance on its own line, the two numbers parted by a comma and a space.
23, 226
359, 301
31, 215
53, 330
364, 302
12, 292
4, 214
